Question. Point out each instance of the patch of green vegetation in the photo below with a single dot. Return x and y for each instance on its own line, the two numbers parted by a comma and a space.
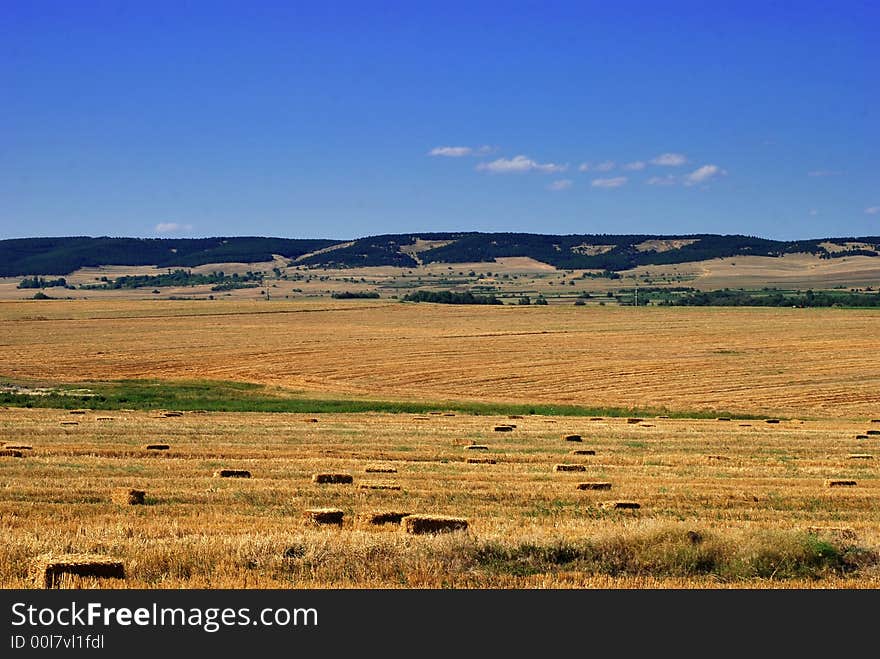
679, 553
225, 396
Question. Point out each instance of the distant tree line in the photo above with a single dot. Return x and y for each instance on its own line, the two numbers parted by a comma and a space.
352, 295
40, 282
219, 280
450, 297
729, 298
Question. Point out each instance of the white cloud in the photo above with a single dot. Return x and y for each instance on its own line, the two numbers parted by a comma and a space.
519, 164
172, 227
585, 167
451, 151
703, 174
606, 166
562, 184
636, 166
872, 210
823, 172
669, 179
669, 159
813, 212
461, 151
615, 182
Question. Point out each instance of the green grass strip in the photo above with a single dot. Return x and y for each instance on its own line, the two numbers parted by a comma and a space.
222, 396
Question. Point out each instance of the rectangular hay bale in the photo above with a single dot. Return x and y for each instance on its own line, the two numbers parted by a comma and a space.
325, 516
379, 469
481, 461
333, 479
594, 485
378, 486
840, 483
429, 524
572, 438
128, 497
49, 570
583, 451
569, 467
232, 473
621, 505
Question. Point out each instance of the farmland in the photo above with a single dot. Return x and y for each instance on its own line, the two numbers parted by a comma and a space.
722, 503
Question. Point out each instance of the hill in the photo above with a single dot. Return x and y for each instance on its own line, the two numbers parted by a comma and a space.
613, 253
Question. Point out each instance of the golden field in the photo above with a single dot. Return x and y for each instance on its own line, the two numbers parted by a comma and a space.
816, 363
723, 503
742, 486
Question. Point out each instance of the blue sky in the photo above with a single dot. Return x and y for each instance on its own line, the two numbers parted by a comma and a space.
320, 119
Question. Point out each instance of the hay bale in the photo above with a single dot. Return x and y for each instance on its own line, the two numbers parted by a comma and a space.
840, 483
157, 447
105, 418
232, 473
332, 478
423, 524
448, 414
646, 425
481, 461
861, 437
477, 447
583, 451
10, 453
169, 415
572, 438
597, 418
634, 420
872, 432
515, 416
860, 456
325, 516
310, 421
77, 411
504, 428
435, 413
127, 496
621, 505
745, 425
569, 467
379, 469
384, 517
421, 418
771, 421
49, 570
717, 457
723, 418
838, 532
18, 447
378, 486
594, 485
875, 420
70, 423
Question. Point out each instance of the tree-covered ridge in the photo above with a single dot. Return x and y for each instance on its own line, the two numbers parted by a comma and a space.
611, 253
41, 256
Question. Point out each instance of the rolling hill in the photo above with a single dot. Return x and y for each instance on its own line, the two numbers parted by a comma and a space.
63, 255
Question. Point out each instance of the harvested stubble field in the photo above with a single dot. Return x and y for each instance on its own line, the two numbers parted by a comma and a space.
721, 504
741, 521
777, 362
